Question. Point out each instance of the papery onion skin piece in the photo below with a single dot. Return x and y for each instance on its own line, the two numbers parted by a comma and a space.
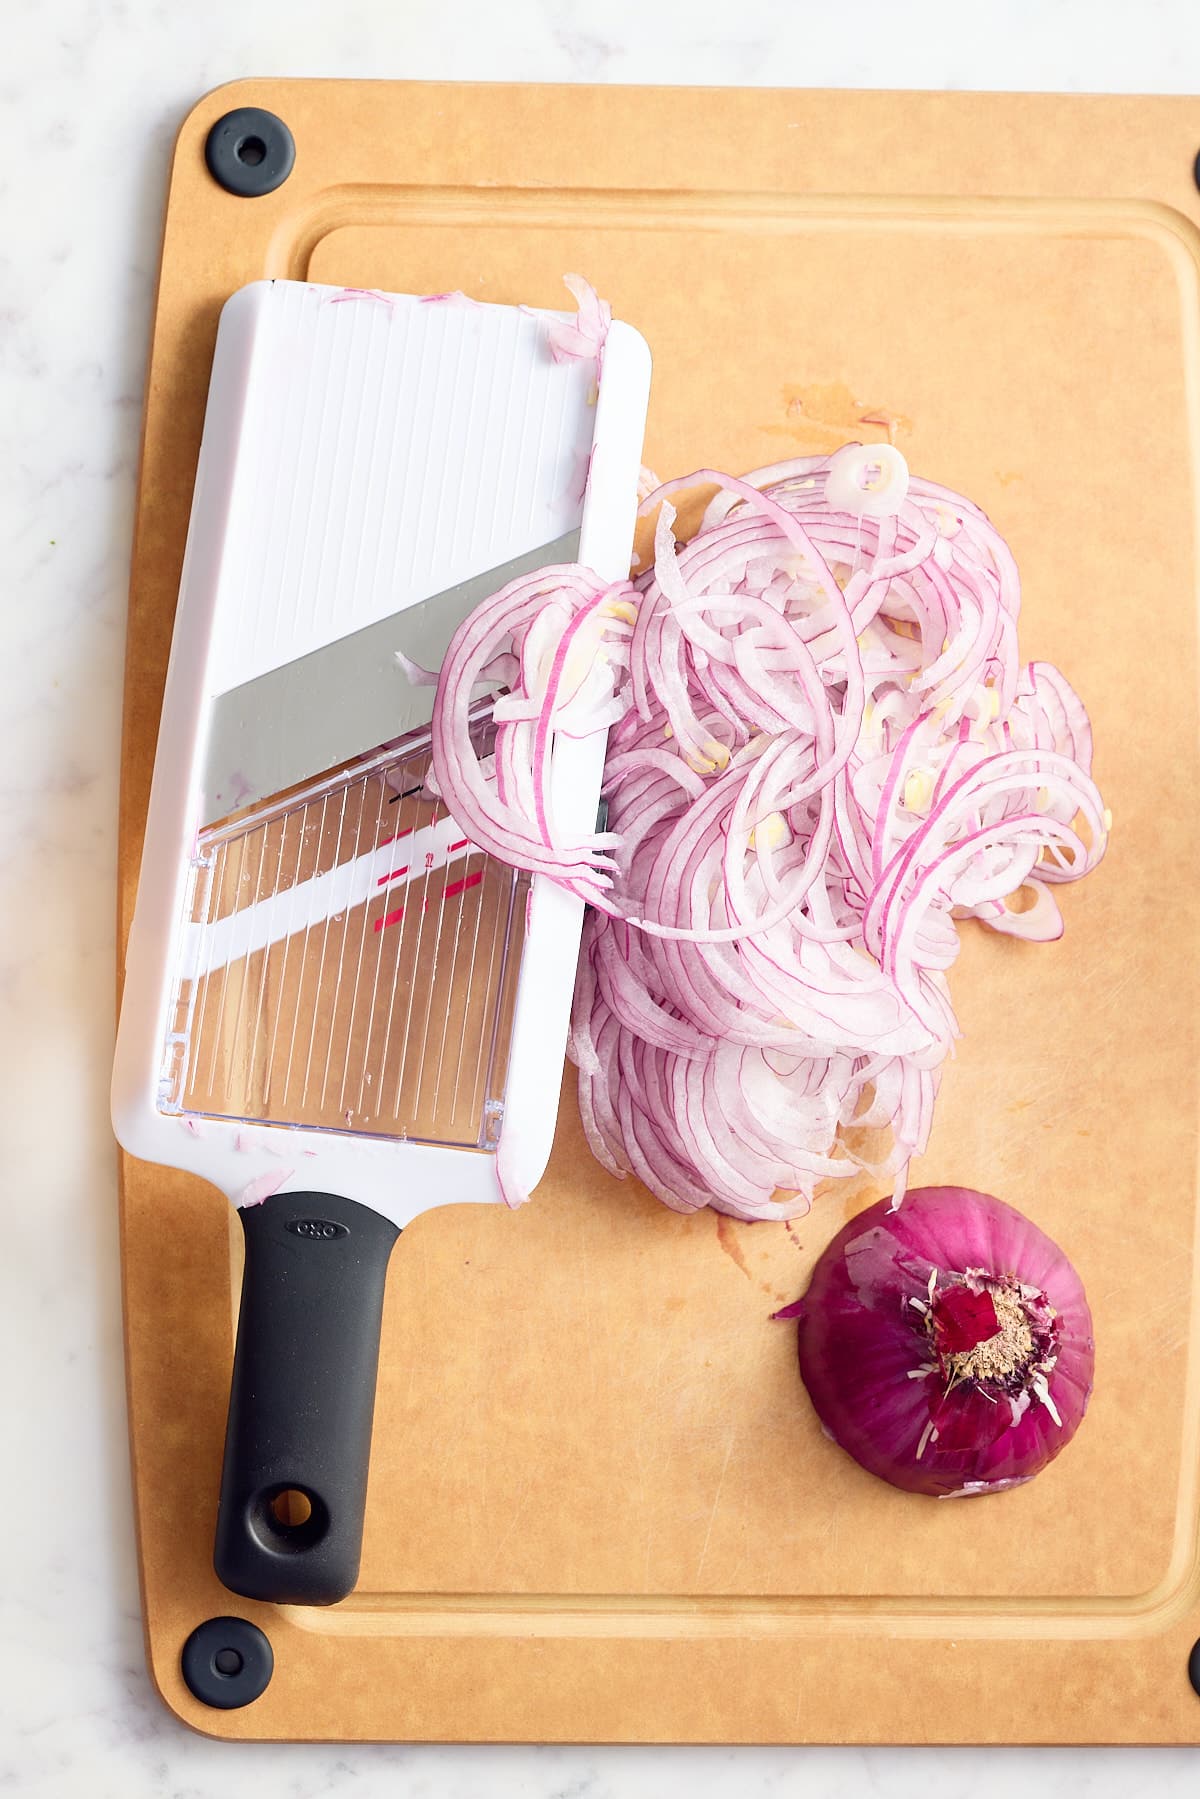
896, 1359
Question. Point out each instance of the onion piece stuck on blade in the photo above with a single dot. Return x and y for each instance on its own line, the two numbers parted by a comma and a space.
946, 1346
824, 755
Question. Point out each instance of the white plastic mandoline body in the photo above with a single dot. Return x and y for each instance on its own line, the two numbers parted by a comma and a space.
362, 452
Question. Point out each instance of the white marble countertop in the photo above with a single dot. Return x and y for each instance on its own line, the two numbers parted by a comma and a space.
90, 96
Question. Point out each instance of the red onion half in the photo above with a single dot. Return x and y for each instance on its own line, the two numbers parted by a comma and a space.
947, 1345
824, 753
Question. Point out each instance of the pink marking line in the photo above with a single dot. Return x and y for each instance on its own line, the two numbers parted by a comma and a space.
461, 886
394, 876
381, 924
407, 832
460, 845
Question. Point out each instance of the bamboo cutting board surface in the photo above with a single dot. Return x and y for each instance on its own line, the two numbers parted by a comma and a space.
600, 1506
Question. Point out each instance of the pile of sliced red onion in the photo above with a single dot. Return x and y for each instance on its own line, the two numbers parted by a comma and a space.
824, 753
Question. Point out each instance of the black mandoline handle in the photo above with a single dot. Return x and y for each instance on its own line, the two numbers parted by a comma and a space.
298, 1440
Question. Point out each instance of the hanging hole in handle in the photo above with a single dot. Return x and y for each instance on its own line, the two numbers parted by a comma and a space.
289, 1518
291, 1508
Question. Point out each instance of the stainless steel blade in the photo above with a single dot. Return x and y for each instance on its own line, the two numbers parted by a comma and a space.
320, 710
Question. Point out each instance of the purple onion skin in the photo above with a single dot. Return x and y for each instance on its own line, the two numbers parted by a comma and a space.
860, 1339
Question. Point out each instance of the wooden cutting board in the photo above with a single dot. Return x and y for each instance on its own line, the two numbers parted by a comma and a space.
600, 1506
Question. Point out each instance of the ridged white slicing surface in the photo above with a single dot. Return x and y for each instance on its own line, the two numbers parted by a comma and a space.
390, 448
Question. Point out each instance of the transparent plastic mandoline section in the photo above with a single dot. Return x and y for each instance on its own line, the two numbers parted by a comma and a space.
350, 963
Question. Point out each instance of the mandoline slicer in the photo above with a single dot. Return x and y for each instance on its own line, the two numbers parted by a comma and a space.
335, 1007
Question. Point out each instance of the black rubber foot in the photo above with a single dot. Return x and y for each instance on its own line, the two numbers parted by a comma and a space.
1194, 1668
227, 1662
250, 152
